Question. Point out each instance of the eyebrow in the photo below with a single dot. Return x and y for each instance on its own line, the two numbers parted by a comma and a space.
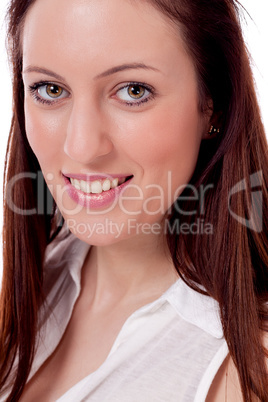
35, 69
110, 71
123, 67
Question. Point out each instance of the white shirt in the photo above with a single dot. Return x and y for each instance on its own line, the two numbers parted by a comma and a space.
169, 350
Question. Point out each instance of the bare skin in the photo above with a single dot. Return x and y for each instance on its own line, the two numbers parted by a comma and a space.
80, 351
100, 317
226, 386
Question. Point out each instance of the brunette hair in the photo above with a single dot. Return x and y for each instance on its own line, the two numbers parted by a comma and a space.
231, 265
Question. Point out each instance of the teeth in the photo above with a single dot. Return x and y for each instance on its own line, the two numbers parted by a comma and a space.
97, 186
106, 185
121, 181
76, 184
114, 183
85, 186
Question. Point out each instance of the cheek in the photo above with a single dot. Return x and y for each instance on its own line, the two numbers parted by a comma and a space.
177, 136
165, 137
44, 134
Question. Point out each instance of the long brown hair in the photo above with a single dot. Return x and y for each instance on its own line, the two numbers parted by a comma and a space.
231, 265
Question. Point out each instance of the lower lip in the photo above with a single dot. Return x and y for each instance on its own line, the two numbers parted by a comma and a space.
95, 201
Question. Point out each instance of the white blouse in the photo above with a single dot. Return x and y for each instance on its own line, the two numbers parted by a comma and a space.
169, 350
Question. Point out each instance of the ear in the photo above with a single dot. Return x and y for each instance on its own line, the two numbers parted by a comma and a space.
213, 127
208, 112
213, 131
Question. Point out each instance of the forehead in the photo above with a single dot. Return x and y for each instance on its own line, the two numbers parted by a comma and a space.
85, 31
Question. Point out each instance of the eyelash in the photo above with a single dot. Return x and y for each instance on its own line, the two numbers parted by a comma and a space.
33, 89
147, 87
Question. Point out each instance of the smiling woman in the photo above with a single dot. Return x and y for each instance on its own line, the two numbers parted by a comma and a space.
101, 112
149, 139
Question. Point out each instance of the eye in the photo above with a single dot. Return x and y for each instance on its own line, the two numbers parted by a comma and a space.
49, 91
134, 93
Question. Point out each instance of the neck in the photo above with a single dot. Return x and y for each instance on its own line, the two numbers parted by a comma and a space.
139, 267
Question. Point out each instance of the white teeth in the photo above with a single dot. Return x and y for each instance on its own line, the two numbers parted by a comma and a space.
106, 185
114, 183
96, 186
76, 184
85, 186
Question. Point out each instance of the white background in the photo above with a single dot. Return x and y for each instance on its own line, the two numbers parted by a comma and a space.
256, 34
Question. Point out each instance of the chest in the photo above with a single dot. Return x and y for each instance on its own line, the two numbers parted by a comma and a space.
156, 358
84, 346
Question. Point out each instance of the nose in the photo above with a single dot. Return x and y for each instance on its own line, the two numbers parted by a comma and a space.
87, 135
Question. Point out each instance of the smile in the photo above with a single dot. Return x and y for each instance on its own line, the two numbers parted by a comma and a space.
95, 191
97, 186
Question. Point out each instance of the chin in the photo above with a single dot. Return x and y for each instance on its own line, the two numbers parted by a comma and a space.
95, 239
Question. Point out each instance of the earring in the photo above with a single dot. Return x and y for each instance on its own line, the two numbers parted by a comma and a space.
213, 130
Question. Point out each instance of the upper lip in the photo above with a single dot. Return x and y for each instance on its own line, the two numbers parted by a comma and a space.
92, 177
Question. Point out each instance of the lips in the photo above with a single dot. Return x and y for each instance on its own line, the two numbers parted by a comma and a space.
95, 191
97, 186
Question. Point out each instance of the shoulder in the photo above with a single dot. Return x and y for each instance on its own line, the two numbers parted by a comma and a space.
225, 386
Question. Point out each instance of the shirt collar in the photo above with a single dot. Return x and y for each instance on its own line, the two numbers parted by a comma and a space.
196, 308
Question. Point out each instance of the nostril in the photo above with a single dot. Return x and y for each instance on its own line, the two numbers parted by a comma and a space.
85, 146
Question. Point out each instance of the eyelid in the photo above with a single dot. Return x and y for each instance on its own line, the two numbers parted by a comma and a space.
137, 102
33, 89
127, 84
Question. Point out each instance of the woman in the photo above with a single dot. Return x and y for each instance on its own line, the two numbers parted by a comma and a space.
143, 119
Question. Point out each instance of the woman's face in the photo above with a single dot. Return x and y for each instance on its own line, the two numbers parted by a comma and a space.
110, 93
